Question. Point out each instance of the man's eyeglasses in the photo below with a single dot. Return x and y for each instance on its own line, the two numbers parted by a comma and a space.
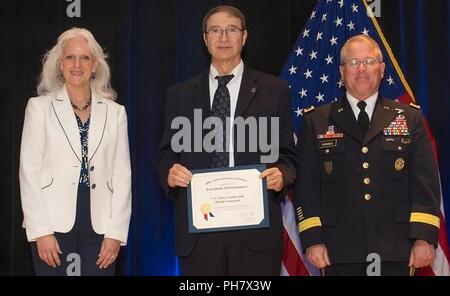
230, 31
368, 63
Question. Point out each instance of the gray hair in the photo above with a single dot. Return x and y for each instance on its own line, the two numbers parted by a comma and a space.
51, 79
231, 10
362, 39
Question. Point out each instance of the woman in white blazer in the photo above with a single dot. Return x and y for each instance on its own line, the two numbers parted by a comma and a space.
75, 175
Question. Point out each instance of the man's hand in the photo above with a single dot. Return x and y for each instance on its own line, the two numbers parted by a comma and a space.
108, 252
274, 179
48, 250
318, 256
422, 254
178, 176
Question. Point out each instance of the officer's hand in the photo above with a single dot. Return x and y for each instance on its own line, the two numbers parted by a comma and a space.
318, 256
274, 179
422, 254
178, 176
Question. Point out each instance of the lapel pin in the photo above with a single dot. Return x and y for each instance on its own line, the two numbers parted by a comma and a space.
253, 90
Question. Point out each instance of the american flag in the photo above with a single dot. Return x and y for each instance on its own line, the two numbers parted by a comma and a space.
312, 71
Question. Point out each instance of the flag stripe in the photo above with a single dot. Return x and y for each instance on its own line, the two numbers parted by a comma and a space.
437, 266
292, 262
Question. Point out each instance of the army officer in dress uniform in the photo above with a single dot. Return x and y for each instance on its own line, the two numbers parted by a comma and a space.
367, 195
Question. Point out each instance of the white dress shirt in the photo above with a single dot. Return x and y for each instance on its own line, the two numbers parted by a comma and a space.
371, 101
233, 87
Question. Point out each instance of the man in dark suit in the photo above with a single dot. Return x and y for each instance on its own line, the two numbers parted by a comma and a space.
367, 194
241, 92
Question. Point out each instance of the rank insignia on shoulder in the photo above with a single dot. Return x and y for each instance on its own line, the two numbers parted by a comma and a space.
414, 106
307, 110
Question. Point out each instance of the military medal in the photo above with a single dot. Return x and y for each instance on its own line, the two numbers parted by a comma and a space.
398, 127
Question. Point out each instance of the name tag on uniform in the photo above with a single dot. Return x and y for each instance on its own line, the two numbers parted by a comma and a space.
327, 144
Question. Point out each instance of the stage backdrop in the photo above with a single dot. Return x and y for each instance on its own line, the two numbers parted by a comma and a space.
153, 44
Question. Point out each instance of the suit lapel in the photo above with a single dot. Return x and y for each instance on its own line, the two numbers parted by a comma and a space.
99, 115
342, 114
202, 100
66, 118
247, 91
201, 95
381, 117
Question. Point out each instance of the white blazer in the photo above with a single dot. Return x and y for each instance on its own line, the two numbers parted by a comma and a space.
50, 164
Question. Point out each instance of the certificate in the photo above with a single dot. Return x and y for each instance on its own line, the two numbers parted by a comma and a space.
226, 199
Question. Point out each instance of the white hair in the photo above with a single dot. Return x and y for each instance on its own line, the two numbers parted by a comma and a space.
361, 39
51, 79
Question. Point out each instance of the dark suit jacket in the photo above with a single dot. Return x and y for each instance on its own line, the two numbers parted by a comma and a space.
260, 95
366, 195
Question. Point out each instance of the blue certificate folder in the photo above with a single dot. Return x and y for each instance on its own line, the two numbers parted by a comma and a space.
265, 223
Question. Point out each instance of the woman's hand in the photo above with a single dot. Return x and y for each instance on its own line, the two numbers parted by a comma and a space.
48, 250
108, 252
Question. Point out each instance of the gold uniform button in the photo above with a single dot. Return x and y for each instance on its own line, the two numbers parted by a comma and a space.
367, 196
364, 150
366, 181
327, 151
365, 165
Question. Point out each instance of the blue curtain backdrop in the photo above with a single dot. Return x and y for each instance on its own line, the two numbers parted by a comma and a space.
153, 44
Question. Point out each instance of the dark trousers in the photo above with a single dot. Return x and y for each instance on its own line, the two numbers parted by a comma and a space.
80, 246
360, 269
225, 253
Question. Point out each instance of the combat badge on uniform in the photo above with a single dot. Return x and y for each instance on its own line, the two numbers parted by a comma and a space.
398, 127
